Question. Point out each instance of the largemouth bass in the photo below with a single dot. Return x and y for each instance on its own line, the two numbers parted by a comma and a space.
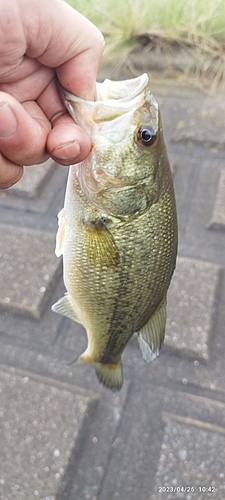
118, 229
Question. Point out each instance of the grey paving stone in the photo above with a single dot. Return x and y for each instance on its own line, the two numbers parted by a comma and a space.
28, 267
33, 179
88, 465
218, 217
196, 182
40, 423
191, 299
202, 122
37, 189
191, 463
20, 327
175, 441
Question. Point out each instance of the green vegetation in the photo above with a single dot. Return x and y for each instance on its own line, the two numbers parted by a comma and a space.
198, 25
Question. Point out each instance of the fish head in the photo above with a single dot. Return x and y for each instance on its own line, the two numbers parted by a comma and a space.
127, 144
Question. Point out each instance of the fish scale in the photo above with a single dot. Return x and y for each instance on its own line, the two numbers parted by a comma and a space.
118, 229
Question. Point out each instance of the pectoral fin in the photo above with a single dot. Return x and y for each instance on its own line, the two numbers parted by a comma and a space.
60, 234
151, 335
65, 306
100, 245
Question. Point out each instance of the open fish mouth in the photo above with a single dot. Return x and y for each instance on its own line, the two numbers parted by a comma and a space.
113, 100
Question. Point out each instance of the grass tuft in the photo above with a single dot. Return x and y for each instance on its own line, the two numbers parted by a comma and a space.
197, 26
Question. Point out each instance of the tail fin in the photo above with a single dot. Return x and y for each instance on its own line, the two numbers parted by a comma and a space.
110, 375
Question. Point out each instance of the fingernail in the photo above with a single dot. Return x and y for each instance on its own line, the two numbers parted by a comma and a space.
67, 151
8, 121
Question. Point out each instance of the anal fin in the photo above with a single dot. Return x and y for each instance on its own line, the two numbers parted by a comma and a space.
151, 335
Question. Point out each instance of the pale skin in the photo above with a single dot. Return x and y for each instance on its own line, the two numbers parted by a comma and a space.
40, 39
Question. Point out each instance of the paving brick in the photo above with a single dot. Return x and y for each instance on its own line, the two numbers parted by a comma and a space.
178, 440
84, 478
32, 180
191, 463
196, 182
190, 306
40, 423
28, 268
202, 122
37, 189
218, 217
32, 330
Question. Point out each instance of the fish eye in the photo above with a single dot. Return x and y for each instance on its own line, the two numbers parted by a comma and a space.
146, 135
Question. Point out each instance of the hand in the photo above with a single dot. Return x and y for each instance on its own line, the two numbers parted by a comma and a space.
39, 40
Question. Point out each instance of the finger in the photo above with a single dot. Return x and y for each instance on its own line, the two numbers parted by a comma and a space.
27, 87
76, 52
68, 143
50, 102
10, 173
23, 131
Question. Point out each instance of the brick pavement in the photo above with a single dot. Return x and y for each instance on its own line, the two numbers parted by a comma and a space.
62, 435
